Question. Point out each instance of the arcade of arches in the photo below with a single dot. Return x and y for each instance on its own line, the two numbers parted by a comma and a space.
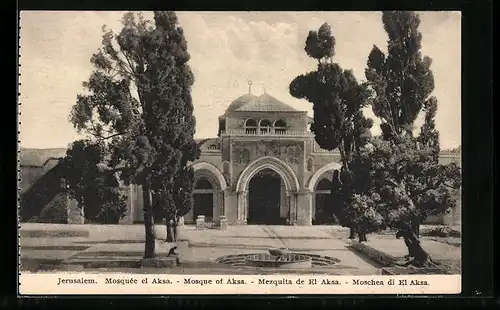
266, 192
264, 167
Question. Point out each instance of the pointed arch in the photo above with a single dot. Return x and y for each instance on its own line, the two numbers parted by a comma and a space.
273, 163
311, 184
213, 170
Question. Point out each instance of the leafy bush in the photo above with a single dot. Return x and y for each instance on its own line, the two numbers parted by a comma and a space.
443, 232
54, 212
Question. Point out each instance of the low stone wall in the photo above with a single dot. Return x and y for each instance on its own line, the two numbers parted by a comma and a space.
380, 257
410, 271
391, 268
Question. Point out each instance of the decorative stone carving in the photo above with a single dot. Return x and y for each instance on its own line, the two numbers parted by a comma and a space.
245, 156
310, 164
265, 148
274, 149
293, 154
285, 171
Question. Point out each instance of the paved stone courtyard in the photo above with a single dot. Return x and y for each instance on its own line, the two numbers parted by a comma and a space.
59, 244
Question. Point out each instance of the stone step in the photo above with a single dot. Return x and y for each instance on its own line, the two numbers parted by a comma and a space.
122, 262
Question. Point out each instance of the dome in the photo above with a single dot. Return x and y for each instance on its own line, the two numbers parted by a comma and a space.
266, 102
240, 101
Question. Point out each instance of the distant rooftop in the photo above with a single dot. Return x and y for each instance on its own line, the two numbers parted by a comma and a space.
38, 157
266, 102
263, 103
240, 101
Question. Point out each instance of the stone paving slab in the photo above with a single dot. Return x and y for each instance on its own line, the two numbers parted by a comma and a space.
310, 245
298, 232
160, 248
120, 243
119, 255
292, 237
47, 254
243, 232
251, 236
49, 242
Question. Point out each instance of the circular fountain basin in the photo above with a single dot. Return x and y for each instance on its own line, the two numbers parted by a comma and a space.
265, 260
289, 261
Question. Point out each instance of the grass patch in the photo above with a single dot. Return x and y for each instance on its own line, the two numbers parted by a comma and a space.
442, 232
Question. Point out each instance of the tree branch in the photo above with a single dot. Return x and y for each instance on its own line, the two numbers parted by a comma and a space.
113, 135
133, 72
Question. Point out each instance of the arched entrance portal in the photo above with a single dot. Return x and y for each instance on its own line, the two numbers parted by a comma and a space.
264, 198
324, 211
320, 186
208, 193
204, 199
287, 190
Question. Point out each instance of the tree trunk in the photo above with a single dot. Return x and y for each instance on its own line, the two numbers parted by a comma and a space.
352, 233
176, 228
149, 247
415, 226
416, 254
362, 237
408, 244
170, 230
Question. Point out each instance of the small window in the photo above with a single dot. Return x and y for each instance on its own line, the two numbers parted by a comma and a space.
280, 123
265, 126
280, 127
250, 126
265, 123
251, 123
213, 147
237, 156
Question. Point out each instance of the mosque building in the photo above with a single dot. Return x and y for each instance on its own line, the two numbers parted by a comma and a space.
264, 167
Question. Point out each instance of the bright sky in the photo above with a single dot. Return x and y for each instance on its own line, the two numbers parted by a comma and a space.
227, 49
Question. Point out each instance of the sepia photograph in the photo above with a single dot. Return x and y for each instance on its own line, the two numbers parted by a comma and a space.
240, 152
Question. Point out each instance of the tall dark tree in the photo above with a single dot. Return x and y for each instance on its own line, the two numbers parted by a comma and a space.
177, 201
95, 189
429, 135
338, 100
406, 181
402, 79
138, 106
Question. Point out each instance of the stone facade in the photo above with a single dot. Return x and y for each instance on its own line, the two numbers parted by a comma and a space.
258, 134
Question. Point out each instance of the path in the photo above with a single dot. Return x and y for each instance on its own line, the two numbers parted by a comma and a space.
211, 244
200, 248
